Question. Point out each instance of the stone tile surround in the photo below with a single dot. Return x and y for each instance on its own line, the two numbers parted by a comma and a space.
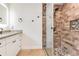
66, 41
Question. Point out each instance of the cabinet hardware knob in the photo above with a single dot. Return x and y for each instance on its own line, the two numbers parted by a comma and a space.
14, 41
0, 43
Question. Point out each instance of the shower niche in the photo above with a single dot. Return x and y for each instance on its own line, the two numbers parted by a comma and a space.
74, 24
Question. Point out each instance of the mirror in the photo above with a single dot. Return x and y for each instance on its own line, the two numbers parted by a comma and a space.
3, 15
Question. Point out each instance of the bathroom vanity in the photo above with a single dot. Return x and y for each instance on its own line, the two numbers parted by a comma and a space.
10, 43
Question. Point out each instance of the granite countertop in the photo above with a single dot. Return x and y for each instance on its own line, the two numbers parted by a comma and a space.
11, 33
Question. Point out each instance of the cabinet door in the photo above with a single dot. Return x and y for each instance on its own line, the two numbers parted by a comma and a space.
18, 43
17, 47
10, 50
13, 47
2, 51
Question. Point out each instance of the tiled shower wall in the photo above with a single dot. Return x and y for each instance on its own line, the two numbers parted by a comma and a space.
66, 41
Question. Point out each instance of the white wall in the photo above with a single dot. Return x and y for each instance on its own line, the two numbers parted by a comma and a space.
32, 31
49, 22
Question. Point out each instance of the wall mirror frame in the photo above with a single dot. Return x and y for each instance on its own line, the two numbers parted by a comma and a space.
7, 16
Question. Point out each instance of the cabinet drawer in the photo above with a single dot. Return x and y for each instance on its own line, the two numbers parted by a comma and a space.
12, 38
18, 36
2, 42
2, 51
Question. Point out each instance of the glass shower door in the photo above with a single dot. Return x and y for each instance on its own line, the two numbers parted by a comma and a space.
49, 30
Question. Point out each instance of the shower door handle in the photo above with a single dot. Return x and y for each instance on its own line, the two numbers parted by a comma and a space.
51, 27
54, 28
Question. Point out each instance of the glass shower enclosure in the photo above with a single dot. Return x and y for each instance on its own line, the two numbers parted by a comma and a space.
47, 28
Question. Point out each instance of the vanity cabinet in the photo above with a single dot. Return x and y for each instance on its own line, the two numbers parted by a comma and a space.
10, 46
